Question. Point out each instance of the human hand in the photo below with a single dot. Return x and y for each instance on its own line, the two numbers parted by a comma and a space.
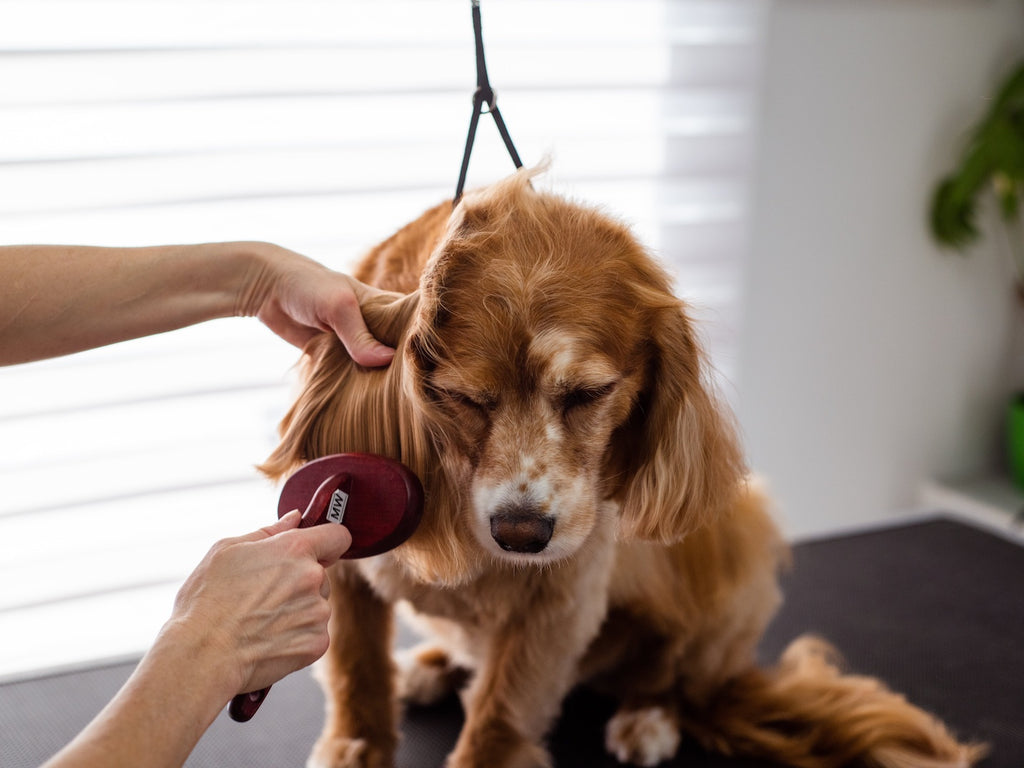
298, 298
261, 600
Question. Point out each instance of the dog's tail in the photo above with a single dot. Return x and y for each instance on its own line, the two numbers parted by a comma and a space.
805, 713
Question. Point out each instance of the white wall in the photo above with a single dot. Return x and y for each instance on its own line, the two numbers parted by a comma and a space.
870, 360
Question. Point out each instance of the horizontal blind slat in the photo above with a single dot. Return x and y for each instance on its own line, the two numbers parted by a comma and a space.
109, 626
55, 25
367, 216
98, 77
112, 130
145, 181
148, 78
183, 514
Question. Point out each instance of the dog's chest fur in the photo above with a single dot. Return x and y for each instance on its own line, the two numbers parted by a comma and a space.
501, 594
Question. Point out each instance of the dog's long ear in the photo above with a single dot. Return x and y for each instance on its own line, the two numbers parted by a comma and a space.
685, 464
344, 407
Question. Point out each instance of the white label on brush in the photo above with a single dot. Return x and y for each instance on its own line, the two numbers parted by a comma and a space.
336, 511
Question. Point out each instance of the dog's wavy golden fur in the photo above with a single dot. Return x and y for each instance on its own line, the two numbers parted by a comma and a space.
588, 515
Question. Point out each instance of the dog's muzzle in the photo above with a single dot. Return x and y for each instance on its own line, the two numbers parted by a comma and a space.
521, 529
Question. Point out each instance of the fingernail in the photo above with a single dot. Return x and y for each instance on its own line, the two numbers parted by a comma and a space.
377, 356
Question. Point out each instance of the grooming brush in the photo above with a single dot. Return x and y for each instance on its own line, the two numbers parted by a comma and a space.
378, 499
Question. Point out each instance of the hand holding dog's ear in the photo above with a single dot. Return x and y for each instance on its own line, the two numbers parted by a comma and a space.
297, 298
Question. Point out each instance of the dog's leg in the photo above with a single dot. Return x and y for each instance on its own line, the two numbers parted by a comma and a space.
689, 624
635, 660
513, 699
357, 677
530, 660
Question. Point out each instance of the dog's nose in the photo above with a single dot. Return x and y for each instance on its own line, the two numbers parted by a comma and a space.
519, 529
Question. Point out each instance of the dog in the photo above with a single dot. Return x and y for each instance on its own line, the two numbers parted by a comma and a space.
589, 515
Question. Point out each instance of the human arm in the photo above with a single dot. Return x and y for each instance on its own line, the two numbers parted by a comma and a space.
55, 300
254, 610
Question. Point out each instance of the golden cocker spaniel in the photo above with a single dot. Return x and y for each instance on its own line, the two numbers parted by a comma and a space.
588, 514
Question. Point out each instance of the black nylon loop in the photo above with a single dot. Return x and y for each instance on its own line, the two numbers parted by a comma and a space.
484, 94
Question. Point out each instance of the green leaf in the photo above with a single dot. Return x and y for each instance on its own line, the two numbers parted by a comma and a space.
994, 157
952, 215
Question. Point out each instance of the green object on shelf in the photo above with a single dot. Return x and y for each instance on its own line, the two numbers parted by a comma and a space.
1015, 440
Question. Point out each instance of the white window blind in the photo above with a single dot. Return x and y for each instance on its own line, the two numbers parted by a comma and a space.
321, 126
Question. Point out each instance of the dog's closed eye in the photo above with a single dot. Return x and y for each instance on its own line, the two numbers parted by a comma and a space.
580, 398
481, 403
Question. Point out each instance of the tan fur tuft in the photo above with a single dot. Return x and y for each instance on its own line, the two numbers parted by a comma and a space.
807, 714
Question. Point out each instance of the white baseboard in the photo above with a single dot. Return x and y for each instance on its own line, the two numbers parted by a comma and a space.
991, 502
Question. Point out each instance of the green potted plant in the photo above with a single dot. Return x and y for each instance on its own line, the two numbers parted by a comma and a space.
992, 164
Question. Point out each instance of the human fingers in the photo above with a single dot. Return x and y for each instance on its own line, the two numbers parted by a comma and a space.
296, 333
299, 298
327, 542
345, 316
285, 523
362, 347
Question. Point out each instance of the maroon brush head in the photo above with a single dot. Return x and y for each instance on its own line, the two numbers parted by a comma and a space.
378, 499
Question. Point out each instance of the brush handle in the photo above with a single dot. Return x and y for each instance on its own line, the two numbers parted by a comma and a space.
327, 506
244, 705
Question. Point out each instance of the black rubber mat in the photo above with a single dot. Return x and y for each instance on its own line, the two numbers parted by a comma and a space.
934, 608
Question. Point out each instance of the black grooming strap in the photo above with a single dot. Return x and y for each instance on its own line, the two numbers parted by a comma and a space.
484, 94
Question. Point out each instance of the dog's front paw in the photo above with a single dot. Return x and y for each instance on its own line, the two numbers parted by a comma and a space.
346, 753
642, 736
426, 674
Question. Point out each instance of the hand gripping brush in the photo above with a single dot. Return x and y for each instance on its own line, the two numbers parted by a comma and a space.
378, 499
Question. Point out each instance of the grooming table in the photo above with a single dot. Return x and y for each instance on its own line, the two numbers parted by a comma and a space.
934, 607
